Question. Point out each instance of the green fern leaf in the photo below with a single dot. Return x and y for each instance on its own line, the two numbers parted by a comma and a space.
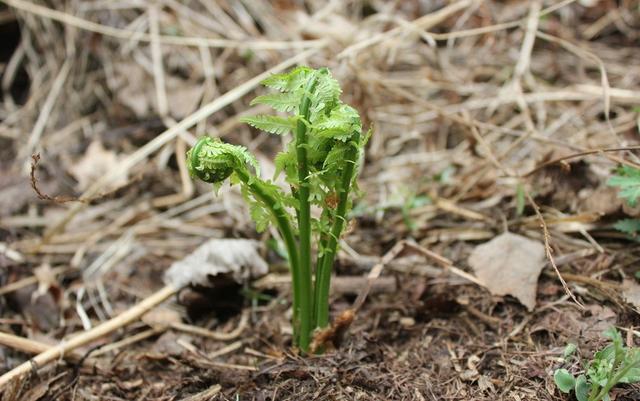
628, 226
290, 81
284, 102
628, 180
287, 162
326, 95
271, 124
342, 123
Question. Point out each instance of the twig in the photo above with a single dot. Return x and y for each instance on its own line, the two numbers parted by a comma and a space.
31, 346
242, 325
586, 153
35, 159
205, 395
86, 337
547, 247
16, 285
81, 23
44, 113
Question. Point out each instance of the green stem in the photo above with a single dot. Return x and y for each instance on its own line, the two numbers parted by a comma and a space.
322, 245
284, 226
324, 270
304, 219
614, 380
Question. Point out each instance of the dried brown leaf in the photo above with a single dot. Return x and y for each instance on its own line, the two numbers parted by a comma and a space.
96, 162
510, 264
631, 292
238, 258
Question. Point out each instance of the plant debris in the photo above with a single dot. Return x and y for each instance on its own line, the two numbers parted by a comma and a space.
488, 117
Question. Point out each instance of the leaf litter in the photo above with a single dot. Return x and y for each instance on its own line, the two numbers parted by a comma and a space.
436, 80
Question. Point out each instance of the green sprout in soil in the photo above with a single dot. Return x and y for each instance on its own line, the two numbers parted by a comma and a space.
627, 179
320, 164
615, 364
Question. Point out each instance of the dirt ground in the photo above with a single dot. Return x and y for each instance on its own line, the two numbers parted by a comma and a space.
489, 117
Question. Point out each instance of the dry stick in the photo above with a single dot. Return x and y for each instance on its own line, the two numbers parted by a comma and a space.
155, 144
16, 285
163, 111
205, 395
422, 23
86, 337
35, 159
126, 34
587, 153
427, 21
200, 331
469, 122
127, 341
30, 346
547, 246
43, 116
604, 80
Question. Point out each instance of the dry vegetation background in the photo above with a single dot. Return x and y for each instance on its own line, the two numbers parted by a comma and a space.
468, 101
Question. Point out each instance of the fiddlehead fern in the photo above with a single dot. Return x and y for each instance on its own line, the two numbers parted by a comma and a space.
320, 165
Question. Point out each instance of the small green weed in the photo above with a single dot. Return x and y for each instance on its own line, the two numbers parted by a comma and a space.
615, 364
628, 180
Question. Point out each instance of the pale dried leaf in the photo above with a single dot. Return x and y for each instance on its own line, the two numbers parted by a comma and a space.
137, 91
510, 264
96, 162
631, 292
238, 258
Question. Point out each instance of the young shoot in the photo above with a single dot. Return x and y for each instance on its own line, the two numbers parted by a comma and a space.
614, 364
320, 164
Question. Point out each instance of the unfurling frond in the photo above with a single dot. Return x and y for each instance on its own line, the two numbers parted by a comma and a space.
214, 161
271, 124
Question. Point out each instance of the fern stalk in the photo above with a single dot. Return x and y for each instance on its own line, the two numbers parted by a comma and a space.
284, 227
304, 220
319, 165
323, 271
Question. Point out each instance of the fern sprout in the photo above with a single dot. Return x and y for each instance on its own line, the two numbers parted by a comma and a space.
320, 165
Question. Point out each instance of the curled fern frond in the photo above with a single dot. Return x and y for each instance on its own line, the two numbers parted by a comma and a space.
214, 161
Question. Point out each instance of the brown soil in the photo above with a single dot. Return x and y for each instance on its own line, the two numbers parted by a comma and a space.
459, 122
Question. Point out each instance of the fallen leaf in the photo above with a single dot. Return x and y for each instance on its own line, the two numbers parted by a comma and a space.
510, 264
137, 91
96, 162
575, 325
603, 200
631, 292
238, 258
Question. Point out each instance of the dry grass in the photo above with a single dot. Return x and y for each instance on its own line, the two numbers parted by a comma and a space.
468, 99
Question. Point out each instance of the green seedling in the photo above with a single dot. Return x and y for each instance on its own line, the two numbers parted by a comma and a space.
628, 180
615, 364
320, 164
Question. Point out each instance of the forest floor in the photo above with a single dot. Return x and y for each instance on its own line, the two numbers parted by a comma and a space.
496, 127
